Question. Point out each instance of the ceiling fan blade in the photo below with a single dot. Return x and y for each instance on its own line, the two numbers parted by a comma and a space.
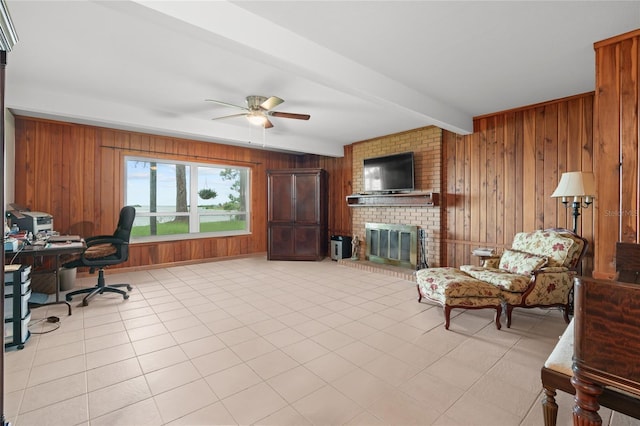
229, 116
271, 103
227, 104
289, 115
267, 124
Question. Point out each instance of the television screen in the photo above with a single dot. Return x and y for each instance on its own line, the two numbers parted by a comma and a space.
391, 173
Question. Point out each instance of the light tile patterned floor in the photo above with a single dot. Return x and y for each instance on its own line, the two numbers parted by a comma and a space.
248, 341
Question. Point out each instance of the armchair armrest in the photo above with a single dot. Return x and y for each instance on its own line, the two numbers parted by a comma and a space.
551, 270
550, 286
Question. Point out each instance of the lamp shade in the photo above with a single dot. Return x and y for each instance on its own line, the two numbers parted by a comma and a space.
576, 184
257, 118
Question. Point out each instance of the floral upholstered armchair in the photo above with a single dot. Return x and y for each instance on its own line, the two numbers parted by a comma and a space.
537, 271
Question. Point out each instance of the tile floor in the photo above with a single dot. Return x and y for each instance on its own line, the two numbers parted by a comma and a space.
248, 341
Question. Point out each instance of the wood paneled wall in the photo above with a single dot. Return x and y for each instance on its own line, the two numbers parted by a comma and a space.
495, 182
340, 174
616, 139
498, 180
75, 172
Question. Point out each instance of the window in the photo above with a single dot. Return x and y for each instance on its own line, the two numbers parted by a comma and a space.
174, 200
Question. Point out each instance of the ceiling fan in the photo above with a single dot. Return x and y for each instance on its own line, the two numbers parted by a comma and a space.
259, 109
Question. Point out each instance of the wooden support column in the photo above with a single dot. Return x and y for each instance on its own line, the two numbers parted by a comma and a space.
616, 142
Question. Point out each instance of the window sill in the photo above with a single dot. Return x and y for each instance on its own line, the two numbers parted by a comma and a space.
182, 237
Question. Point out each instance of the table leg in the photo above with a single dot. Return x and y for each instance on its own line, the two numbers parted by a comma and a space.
57, 272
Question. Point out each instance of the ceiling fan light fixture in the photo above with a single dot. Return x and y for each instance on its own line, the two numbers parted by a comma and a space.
257, 118
258, 110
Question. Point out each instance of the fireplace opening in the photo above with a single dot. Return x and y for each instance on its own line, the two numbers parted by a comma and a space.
392, 244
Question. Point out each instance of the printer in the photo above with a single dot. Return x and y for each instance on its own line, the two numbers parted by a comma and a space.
33, 221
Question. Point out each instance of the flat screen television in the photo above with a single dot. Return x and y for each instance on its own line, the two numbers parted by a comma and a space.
389, 174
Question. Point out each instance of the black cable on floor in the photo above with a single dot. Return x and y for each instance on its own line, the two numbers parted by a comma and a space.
49, 320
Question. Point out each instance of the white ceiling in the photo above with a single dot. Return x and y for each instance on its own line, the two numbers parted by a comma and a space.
361, 69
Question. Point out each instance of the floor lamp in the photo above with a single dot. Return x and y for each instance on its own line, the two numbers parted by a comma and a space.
577, 185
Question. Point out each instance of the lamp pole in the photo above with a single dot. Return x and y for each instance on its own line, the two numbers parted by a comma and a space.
576, 212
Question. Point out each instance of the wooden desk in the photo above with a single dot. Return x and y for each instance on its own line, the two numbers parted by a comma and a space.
607, 347
49, 250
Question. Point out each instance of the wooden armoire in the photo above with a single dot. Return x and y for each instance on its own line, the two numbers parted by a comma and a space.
297, 216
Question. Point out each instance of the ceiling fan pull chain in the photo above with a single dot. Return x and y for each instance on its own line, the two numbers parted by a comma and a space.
264, 136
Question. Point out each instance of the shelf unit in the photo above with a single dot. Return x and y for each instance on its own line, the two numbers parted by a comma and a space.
16, 305
416, 198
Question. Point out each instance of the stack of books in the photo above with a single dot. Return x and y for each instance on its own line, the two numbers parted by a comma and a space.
483, 251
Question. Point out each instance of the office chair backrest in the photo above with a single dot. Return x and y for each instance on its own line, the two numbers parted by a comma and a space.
628, 262
123, 231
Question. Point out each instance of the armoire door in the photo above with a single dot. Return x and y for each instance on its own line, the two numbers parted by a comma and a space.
307, 200
281, 198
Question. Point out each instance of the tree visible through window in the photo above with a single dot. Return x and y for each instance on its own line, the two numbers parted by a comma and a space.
175, 199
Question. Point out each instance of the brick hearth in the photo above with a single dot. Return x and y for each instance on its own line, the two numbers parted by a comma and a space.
394, 271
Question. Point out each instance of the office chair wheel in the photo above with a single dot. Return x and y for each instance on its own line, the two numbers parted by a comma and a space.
125, 296
129, 288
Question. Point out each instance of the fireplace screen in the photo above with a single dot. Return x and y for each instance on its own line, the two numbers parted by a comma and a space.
392, 244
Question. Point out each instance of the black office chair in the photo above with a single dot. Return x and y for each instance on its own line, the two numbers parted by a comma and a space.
102, 251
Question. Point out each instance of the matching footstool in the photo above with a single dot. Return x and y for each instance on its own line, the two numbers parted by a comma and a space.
452, 288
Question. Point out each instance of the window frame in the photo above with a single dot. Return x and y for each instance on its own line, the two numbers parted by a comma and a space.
193, 214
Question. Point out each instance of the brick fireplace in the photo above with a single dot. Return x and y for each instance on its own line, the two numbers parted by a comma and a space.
426, 144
